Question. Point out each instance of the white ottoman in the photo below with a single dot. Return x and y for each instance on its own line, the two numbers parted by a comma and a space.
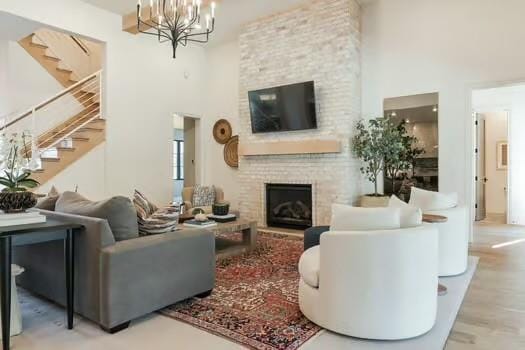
16, 316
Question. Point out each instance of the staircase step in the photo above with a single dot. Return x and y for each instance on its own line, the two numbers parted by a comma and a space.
80, 138
98, 123
51, 58
52, 160
41, 46
89, 129
65, 70
66, 149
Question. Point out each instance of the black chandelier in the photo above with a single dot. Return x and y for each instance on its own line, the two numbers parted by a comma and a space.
178, 21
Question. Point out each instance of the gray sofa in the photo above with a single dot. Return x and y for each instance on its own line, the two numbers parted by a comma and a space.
116, 282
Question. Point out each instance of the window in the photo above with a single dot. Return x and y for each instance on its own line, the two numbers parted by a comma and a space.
178, 160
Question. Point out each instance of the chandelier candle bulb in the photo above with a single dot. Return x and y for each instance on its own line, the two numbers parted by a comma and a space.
213, 9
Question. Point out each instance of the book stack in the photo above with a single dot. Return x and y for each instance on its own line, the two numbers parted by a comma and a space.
200, 224
32, 217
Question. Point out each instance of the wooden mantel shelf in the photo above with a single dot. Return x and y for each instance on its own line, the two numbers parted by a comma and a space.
290, 147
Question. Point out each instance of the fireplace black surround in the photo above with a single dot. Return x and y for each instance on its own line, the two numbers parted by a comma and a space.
289, 206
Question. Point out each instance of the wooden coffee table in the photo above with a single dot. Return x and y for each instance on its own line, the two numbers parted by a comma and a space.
227, 248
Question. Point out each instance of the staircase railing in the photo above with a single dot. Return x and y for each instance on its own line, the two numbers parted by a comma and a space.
58, 117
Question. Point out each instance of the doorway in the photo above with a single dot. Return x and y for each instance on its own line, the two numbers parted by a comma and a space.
184, 154
492, 161
499, 119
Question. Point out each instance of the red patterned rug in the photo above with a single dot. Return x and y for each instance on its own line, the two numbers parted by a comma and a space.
255, 301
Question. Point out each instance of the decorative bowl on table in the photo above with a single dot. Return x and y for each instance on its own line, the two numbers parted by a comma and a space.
17, 202
221, 209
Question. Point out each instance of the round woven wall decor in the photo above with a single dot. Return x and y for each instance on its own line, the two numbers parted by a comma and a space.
231, 152
222, 131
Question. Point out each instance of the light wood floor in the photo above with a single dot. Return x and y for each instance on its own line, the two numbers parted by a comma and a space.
493, 313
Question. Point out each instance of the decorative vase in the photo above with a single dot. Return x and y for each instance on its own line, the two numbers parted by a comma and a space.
374, 201
17, 202
221, 209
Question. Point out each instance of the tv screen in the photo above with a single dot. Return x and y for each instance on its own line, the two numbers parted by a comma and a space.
283, 108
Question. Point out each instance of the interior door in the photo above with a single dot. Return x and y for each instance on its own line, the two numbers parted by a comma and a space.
481, 178
190, 139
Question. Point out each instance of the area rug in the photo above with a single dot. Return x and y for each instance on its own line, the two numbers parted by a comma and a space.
255, 301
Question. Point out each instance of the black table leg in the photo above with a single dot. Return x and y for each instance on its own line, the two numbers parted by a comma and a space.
70, 275
5, 280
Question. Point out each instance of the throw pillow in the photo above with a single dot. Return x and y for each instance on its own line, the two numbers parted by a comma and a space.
347, 218
152, 220
410, 216
203, 196
143, 205
118, 211
49, 201
430, 200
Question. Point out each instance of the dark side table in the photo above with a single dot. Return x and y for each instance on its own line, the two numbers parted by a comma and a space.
29, 234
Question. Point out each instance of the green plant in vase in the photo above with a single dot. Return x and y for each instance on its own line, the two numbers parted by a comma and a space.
17, 160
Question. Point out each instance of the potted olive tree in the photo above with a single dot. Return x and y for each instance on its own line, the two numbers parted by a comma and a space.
17, 162
398, 165
376, 142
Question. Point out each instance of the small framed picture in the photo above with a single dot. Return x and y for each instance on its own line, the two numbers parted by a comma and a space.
502, 155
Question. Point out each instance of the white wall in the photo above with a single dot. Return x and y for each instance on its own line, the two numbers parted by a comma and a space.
144, 87
29, 82
4, 91
448, 46
495, 188
222, 102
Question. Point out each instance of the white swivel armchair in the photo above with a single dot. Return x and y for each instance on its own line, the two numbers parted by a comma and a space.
453, 241
453, 234
372, 284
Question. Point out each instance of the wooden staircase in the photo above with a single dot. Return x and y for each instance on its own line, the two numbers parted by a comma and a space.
71, 148
79, 127
81, 130
53, 65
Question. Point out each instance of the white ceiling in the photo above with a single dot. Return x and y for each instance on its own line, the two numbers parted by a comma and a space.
231, 14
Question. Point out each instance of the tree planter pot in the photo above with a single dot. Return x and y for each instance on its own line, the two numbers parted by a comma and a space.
17, 202
374, 202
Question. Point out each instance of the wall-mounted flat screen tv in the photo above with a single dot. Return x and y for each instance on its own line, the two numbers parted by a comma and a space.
283, 108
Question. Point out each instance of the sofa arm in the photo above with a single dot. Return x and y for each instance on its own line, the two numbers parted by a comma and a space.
312, 236
145, 274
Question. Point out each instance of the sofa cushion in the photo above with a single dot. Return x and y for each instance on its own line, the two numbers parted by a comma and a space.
310, 266
49, 201
410, 216
118, 211
152, 220
203, 196
347, 218
430, 200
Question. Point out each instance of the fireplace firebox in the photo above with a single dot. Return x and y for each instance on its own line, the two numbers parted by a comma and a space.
289, 206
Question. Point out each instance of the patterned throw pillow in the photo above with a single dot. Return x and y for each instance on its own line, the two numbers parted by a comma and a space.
152, 220
203, 196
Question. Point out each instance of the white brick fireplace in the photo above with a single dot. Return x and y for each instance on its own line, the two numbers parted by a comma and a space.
319, 41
